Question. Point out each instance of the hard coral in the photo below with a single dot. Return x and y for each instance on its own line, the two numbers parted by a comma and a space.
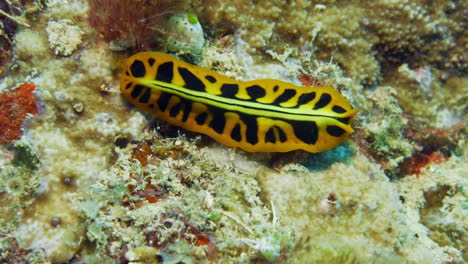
14, 107
127, 23
417, 31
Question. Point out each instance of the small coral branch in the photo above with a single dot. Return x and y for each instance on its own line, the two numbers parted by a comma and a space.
15, 105
17, 20
14, 11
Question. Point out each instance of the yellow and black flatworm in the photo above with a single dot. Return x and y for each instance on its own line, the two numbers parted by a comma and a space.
258, 116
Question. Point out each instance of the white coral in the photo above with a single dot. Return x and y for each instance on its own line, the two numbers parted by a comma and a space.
63, 36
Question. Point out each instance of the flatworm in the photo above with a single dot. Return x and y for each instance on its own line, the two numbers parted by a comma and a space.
257, 116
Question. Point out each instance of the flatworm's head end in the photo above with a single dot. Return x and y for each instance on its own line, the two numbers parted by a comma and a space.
352, 115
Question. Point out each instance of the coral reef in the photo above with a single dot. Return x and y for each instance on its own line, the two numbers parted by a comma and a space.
61, 83
336, 215
170, 201
435, 199
443, 95
411, 31
92, 180
356, 35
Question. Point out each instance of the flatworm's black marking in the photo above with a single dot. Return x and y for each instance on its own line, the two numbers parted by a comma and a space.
163, 101
285, 96
282, 135
219, 122
187, 110
229, 90
335, 131
275, 88
338, 109
151, 61
236, 133
201, 118
138, 69
151, 105
175, 109
255, 92
305, 131
210, 78
344, 120
252, 128
127, 73
128, 85
165, 72
136, 91
324, 100
146, 96
270, 135
305, 98
191, 81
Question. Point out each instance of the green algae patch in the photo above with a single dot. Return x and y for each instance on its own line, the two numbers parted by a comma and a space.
20, 182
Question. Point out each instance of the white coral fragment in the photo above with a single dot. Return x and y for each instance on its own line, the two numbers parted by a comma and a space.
63, 36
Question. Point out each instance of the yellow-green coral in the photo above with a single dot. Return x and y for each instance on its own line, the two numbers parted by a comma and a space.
432, 96
350, 32
20, 182
337, 215
61, 82
385, 127
435, 201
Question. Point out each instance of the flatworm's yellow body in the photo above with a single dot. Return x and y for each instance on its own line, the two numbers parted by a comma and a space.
258, 116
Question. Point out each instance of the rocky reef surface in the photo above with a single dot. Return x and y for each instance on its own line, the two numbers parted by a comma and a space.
88, 178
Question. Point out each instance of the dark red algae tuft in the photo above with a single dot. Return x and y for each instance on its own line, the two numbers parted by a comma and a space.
129, 23
15, 105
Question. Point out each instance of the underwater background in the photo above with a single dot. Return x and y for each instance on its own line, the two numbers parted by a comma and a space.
88, 178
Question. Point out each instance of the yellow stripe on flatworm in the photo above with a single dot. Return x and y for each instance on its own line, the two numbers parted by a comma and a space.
258, 116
